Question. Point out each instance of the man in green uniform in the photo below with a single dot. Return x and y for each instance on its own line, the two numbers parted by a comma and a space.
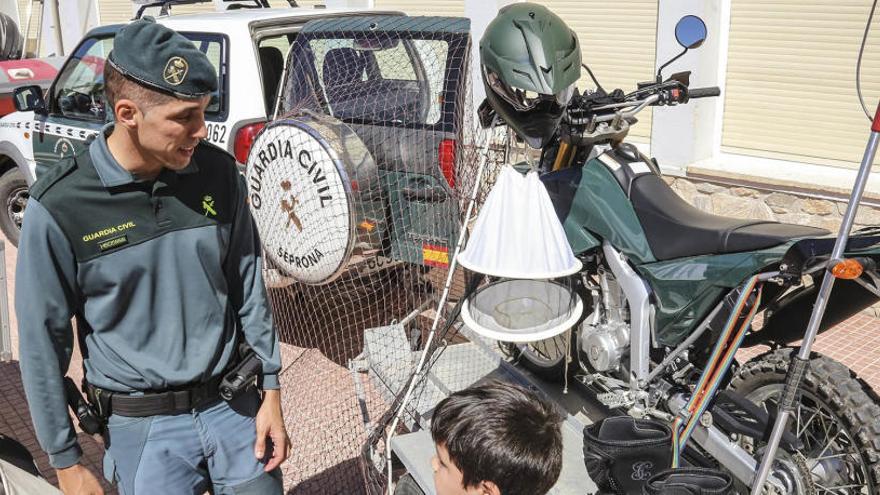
146, 239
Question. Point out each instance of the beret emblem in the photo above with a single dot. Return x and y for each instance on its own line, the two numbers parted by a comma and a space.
175, 71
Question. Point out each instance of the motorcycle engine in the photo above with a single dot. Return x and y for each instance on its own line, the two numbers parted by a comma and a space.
605, 337
605, 344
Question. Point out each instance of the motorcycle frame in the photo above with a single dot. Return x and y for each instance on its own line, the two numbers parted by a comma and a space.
637, 291
642, 379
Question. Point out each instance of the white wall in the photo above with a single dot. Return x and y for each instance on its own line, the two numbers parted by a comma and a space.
480, 14
10, 8
686, 134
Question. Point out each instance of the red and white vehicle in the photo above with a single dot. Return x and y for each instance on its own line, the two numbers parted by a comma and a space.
28, 71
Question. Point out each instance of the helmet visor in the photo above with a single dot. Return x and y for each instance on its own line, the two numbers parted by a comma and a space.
522, 99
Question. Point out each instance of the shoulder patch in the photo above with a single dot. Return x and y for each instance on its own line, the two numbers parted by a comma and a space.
209, 147
57, 172
215, 161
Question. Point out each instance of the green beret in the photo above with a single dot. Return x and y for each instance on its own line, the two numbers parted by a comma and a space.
161, 59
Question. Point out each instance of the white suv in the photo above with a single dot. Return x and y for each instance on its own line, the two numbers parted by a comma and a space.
247, 46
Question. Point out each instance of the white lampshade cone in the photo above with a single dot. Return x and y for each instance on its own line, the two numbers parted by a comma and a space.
517, 233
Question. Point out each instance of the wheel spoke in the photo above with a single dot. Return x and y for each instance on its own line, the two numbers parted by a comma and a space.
823, 416
797, 424
807, 423
838, 487
829, 444
832, 460
832, 456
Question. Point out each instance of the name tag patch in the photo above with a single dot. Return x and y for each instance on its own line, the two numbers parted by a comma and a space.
113, 243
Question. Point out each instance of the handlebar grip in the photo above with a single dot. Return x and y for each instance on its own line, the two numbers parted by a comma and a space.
704, 92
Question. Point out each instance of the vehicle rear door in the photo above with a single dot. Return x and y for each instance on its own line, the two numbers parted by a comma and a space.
397, 82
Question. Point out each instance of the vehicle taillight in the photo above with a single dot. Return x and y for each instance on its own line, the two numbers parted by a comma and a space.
446, 155
244, 139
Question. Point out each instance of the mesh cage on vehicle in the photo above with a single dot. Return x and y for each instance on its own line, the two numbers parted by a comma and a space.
354, 283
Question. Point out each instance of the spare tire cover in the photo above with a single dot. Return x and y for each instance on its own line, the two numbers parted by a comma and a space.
300, 195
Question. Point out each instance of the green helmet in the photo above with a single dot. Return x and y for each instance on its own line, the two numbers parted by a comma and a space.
530, 62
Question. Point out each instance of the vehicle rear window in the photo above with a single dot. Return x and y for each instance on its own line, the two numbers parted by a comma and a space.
392, 79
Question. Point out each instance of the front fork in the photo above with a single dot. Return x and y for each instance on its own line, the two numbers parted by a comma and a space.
800, 362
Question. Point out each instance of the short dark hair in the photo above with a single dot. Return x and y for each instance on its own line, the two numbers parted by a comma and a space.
501, 433
117, 86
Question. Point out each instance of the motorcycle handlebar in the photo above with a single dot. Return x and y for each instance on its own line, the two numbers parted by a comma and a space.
704, 92
630, 108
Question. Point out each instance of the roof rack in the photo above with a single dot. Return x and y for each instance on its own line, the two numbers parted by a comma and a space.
165, 5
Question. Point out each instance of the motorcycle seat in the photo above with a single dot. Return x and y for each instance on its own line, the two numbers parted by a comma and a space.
675, 229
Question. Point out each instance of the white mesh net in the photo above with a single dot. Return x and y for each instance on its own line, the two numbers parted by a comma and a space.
358, 189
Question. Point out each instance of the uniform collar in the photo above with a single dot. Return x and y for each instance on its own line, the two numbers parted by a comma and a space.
112, 174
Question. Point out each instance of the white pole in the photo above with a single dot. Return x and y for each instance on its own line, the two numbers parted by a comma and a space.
56, 28
440, 305
5, 331
799, 363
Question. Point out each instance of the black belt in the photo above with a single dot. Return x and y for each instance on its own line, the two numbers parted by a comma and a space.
159, 403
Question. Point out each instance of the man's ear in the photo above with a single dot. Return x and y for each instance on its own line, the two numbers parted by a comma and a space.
125, 111
489, 488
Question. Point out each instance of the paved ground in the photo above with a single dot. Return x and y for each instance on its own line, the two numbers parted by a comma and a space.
324, 419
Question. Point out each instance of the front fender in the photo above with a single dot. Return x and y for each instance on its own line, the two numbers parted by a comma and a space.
24, 166
16, 142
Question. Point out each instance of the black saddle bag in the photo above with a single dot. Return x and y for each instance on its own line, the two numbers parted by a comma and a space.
622, 452
689, 481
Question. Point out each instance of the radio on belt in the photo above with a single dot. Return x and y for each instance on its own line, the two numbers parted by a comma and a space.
241, 377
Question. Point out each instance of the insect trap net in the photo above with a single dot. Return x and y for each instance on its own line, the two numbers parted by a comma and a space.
358, 188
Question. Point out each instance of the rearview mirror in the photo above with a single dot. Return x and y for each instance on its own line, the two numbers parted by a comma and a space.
690, 32
29, 99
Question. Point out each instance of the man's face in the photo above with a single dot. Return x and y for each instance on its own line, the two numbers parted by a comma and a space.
448, 478
169, 132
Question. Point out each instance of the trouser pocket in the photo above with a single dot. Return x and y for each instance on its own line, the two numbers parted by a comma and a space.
125, 440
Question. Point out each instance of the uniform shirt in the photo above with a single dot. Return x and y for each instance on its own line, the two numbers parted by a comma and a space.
161, 276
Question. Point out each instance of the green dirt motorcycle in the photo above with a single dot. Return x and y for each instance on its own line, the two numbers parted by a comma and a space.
671, 292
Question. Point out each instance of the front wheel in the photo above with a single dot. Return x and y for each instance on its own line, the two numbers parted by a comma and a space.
14, 194
546, 358
837, 419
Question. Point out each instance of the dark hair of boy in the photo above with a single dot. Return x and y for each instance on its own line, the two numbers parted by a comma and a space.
501, 433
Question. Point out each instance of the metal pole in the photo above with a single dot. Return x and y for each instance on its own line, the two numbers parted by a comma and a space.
56, 21
799, 363
39, 36
5, 332
27, 30
440, 306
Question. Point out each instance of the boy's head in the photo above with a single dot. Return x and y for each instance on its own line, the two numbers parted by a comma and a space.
496, 439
